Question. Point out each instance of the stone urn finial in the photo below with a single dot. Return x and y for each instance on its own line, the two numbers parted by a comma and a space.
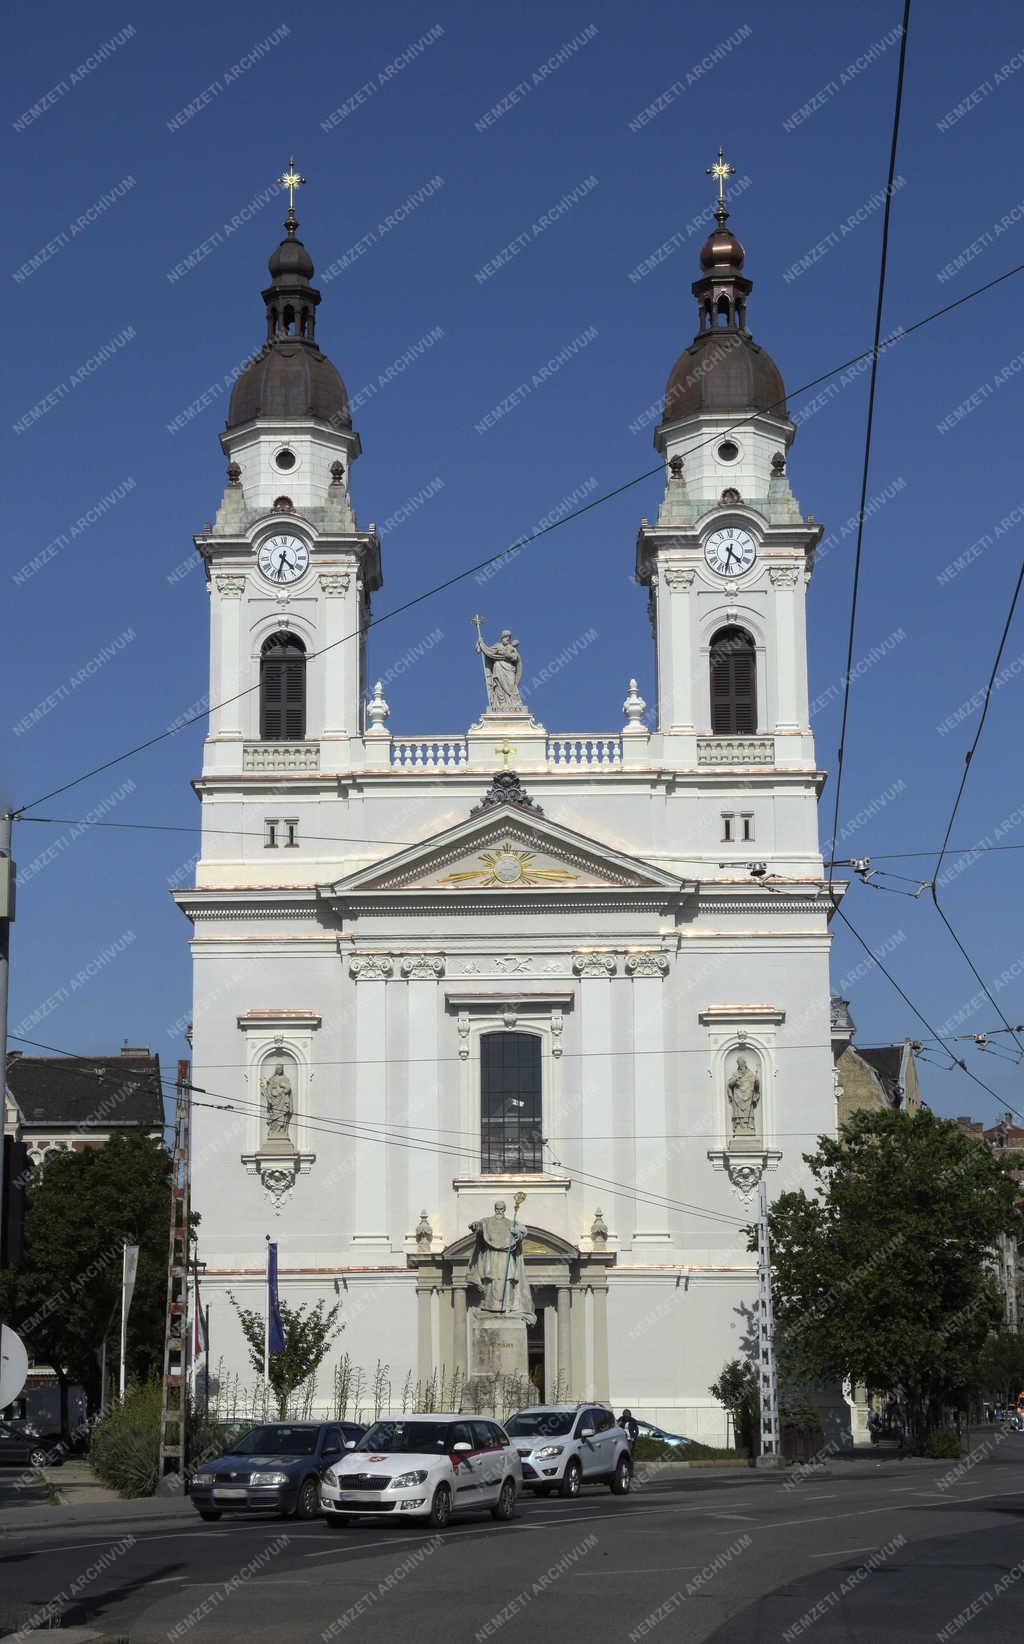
377, 711
633, 708
337, 473
424, 1231
599, 1228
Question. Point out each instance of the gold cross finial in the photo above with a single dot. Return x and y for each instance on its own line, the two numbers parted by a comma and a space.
720, 171
506, 751
291, 181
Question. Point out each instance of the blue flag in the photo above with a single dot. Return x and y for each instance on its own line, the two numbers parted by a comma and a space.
275, 1330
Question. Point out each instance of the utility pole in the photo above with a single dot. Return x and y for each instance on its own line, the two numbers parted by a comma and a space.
6, 920
767, 1383
175, 1387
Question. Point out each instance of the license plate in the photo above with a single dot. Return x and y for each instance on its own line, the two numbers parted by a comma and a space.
229, 1495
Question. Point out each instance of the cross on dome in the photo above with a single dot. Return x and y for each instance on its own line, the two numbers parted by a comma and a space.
720, 171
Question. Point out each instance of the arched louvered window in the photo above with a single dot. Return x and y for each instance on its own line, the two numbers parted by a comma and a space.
283, 689
733, 683
510, 1103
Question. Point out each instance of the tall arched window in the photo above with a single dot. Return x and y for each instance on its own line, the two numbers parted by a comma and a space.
510, 1103
283, 689
733, 683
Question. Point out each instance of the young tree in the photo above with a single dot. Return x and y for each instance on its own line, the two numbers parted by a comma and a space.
886, 1276
736, 1390
308, 1334
63, 1297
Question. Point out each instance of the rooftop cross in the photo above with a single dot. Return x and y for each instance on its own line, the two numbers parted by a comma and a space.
720, 171
291, 180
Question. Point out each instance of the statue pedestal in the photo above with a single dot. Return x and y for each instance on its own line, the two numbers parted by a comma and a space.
514, 729
497, 1352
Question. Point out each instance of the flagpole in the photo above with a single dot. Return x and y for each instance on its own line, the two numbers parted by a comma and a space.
124, 1319
266, 1330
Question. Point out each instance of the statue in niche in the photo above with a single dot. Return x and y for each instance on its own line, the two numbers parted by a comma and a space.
503, 669
744, 1088
497, 1267
277, 1096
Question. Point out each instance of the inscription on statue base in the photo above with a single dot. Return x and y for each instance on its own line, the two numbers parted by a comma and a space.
497, 1345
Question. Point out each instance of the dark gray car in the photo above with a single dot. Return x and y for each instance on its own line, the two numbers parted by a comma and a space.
275, 1467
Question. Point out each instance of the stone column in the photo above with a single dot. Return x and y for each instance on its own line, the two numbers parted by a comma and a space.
564, 1355
370, 972
425, 1004
790, 713
339, 665
601, 1341
595, 971
424, 1343
676, 634
460, 1329
226, 678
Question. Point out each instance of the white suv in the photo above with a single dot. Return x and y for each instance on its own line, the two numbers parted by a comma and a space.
425, 1467
563, 1446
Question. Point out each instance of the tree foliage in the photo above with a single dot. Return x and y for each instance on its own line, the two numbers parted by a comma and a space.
308, 1334
63, 1297
736, 1390
885, 1277
1001, 1370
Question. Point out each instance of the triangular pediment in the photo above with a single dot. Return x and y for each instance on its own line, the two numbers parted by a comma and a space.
507, 851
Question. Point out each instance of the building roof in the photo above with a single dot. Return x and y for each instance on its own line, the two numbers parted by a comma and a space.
724, 371
87, 1092
886, 1060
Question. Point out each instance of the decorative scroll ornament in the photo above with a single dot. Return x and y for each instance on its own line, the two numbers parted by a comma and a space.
647, 964
557, 1027
464, 1035
369, 967
422, 964
784, 576
677, 577
506, 789
278, 1173
335, 582
593, 964
230, 587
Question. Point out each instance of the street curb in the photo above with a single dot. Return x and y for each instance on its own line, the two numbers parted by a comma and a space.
136, 1510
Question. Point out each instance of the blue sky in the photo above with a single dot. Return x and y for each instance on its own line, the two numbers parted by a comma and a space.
134, 139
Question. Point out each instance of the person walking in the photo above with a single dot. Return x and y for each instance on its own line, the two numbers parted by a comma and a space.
630, 1428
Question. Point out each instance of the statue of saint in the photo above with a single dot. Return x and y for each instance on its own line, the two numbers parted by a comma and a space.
496, 1266
277, 1094
503, 669
744, 1095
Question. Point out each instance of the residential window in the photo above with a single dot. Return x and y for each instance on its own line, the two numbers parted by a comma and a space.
510, 1103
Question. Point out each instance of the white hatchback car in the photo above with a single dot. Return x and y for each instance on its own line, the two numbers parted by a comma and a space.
425, 1467
564, 1446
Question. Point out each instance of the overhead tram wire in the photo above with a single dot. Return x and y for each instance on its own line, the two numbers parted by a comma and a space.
527, 540
968, 757
358, 1131
865, 467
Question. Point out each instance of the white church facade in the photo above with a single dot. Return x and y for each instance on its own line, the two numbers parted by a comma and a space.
440, 972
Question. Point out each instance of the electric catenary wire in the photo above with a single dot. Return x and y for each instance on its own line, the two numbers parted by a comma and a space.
529, 538
879, 303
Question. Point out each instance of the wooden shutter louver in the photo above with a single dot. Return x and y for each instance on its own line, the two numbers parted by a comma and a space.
283, 689
733, 683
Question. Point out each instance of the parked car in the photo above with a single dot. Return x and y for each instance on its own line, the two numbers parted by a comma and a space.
275, 1467
564, 1446
659, 1436
21, 1446
426, 1467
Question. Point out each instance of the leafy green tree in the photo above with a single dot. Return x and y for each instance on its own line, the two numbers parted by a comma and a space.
63, 1297
1001, 1370
308, 1334
885, 1276
736, 1389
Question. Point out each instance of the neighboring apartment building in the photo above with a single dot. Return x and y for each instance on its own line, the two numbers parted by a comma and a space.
1008, 1257
875, 1077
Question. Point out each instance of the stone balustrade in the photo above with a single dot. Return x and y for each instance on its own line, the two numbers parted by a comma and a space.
586, 750
435, 753
735, 750
281, 756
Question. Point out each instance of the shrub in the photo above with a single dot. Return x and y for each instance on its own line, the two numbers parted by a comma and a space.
941, 1446
647, 1449
125, 1445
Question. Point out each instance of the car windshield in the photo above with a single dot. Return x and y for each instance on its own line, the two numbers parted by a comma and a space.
276, 1441
541, 1424
398, 1438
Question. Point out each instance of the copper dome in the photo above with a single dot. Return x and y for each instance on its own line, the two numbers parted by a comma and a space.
290, 378
723, 370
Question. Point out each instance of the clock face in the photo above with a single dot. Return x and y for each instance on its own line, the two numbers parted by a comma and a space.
283, 559
730, 551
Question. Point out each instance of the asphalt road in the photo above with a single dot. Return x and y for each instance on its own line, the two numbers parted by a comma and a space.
874, 1554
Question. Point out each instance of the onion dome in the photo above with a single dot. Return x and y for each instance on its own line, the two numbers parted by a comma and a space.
723, 369
290, 376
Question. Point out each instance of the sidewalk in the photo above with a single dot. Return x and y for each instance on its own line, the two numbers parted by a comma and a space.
82, 1499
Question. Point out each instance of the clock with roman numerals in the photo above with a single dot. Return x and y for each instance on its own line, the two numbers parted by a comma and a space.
730, 551
283, 559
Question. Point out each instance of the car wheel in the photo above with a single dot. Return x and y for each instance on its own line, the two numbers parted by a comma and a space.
441, 1508
505, 1506
210, 1518
38, 1458
571, 1480
622, 1478
307, 1504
